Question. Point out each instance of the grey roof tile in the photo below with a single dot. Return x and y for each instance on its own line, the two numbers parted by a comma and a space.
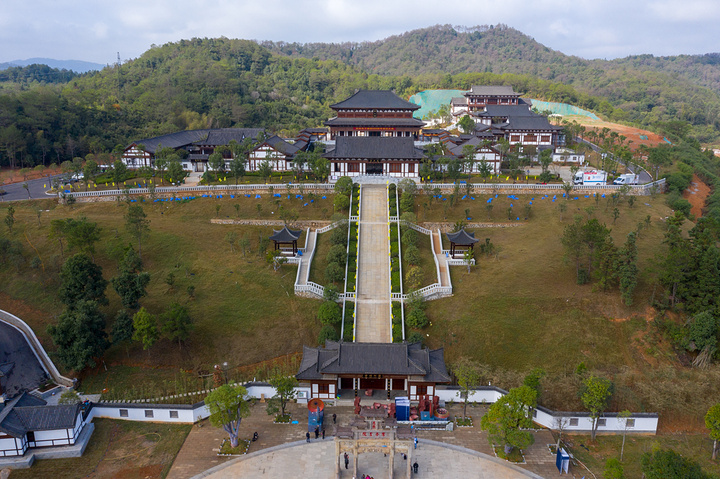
371, 147
375, 99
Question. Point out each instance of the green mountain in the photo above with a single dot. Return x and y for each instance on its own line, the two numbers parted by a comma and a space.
648, 89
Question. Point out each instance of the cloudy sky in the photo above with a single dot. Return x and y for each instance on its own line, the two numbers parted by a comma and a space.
95, 30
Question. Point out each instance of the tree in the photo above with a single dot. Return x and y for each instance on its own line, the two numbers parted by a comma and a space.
467, 373
80, 335
216, 162
467, 124
137, 224
237, 168
231, 238
81, 280
343, 186
284, 391
334, 273
623, 417
328, 333
176, 171
468, 257
413, 278
81, 234
69, 397
505, 419
145, 328
712, 422
330, 313
131, 281
702, 336
595, 396
627, 269
89, 171
122, 329
337, 254
567, 187
161, 164
341, 202
265, 170
572, 240
176, 323
668, 464
417, 318
119, 172
228, 406
10, 218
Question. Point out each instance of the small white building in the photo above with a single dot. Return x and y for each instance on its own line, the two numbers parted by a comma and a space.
28, 422
566, 155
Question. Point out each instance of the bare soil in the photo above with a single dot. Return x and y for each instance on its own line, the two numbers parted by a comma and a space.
697, 195
631, 133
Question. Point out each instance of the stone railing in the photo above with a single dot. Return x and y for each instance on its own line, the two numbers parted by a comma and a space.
501, 188
36, 347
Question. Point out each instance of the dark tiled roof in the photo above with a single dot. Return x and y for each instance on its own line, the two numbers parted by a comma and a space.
373, 358
10, 422
223, 136
375, 147
285, 235
44, 418
477, 140
281, 145
5, 368
458, 100
523, 123
380, 122
199, 137
492, 90
462, 237
375, 99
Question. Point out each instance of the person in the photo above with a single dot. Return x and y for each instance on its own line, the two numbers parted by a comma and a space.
317, 432
334, 418
255, 436
323, 434
404, 457
415, 441
307, 436
347, 460
415, 467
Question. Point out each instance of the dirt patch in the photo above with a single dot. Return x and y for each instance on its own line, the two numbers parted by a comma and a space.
636, 135
697, 195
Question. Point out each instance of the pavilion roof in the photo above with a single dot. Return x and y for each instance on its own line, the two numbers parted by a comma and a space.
462, 237
379, 122
375, 99
285, 235
492, 90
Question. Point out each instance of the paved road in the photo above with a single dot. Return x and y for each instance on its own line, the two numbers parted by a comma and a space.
644, 175
26, 373
16, 192
373, 292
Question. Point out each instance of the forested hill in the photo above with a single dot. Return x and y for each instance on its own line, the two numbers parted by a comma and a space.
203, 83
649, 89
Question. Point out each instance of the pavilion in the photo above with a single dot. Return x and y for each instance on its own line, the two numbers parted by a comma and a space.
461, 238
288, 237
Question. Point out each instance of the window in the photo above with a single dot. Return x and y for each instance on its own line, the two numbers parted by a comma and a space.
573, 421
173, 415
531, 138
411, 168
601, 422
545, 138
514, 138
149, 413
630, 423
353, 167
337, 167
395, 167
123, 413
323, 388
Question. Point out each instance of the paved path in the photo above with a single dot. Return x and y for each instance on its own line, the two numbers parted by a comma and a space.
444, 274
373, 292
304, 273
199, 453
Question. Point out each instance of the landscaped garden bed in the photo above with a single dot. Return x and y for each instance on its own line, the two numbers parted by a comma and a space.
464, 421
282, 419
516, 456
227, 450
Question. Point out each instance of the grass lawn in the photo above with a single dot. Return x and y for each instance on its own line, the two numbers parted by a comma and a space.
125, 449
697, 447
319, 262
243, 311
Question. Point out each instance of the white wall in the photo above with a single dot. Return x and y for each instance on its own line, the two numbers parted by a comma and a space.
136, 412
9, 445
54, 437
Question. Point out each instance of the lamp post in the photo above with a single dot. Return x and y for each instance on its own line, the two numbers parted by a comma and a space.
225, 370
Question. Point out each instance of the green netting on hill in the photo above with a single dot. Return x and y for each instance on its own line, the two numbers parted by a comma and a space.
562, 109
431, 100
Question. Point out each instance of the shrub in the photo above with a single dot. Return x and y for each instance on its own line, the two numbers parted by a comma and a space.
407, 202
341, 202
328, 333
334, 273
409, 237
415, 337
678, 203
344, 186
417, 319
413, 278
339, 235
337, 254
412, 254
330, 313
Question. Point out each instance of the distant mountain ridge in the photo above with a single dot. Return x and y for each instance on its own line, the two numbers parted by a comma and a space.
444, 49
78, 66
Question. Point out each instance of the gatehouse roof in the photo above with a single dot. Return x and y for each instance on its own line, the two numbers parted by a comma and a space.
462, 237
285, 235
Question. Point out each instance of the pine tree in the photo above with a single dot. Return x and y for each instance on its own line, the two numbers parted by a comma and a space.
627, 269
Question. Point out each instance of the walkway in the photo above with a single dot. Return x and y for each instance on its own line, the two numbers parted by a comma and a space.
444, 274
303, 274
373, 291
